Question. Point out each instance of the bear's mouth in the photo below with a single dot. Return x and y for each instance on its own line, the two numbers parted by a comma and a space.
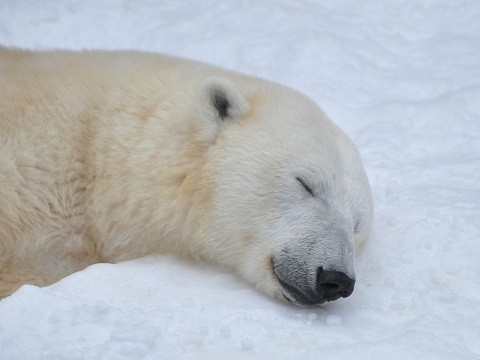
293, 295
297, 297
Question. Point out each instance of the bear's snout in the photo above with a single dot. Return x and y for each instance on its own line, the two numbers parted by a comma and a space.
329, 285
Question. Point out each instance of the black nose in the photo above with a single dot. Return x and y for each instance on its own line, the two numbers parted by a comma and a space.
333, 284
330, 286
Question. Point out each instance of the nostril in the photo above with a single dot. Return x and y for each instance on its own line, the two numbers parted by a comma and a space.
331, 286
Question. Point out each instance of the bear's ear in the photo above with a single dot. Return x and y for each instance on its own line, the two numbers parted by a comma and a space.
220, 99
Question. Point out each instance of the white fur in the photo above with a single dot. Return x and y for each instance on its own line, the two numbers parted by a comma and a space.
108, 156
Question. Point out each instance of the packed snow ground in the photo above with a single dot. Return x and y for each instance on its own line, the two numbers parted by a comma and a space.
402, 78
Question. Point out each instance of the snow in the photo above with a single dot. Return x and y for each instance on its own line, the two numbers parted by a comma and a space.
402, 78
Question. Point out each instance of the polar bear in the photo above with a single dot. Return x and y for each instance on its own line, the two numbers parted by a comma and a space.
109, 156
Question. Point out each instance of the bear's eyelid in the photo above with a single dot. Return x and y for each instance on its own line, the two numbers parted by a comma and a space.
305, 185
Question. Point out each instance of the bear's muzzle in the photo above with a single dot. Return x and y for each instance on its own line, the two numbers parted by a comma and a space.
330, 285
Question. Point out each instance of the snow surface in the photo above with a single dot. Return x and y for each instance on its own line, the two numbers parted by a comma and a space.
402, 78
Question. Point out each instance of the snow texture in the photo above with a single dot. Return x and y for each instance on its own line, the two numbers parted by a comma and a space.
402, 78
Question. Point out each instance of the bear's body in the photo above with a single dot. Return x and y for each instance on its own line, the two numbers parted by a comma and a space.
108, 156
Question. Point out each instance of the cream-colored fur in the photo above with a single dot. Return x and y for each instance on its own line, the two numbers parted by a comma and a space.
108, 156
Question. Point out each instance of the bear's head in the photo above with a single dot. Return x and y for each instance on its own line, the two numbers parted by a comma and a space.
288, 196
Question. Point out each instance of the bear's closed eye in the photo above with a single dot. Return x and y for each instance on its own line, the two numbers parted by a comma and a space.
305, 186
